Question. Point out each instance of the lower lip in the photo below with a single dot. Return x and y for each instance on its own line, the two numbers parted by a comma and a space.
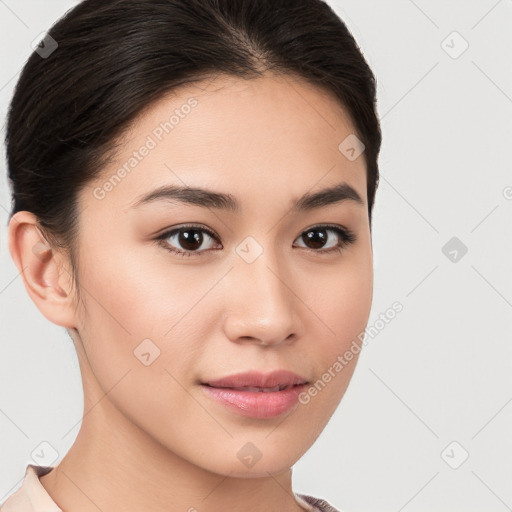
256, 404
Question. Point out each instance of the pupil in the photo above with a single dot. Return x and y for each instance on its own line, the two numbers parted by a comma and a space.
192, 238
187, 241
317, 241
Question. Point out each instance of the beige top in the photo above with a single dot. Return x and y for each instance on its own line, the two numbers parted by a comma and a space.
33, 497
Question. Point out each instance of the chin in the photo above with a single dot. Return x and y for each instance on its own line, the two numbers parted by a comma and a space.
259, 470
250, 460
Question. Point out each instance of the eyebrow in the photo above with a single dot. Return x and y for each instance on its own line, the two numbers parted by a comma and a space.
222, 201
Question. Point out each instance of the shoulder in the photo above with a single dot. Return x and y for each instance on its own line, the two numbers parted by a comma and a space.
31, 496
317, 504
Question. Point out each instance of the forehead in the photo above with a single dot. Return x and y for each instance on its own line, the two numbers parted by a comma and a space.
259, 135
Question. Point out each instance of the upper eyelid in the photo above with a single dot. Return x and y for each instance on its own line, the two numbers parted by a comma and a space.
212, 233
347, 237
172, 231
329, 227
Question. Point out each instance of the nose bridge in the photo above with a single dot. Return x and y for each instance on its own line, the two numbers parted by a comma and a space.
260, 272
262, 303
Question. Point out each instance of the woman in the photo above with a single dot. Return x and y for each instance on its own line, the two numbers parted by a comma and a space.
193, 184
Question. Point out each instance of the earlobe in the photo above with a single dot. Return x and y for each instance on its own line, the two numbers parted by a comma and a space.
42, 268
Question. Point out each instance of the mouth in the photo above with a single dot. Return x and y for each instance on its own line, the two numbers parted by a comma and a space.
255, 394
277, 380
256, 389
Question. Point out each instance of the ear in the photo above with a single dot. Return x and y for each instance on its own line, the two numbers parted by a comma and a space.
45, 271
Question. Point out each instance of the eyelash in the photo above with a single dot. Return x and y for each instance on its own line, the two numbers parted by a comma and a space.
347, 237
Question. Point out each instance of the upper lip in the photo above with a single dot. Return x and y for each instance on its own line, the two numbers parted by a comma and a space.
282, 378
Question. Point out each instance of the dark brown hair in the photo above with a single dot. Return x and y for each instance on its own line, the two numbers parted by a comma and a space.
115, 57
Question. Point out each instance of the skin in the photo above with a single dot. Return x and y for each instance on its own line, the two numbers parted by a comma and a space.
150, 439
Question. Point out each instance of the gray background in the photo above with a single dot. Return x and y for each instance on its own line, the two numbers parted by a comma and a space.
439, 374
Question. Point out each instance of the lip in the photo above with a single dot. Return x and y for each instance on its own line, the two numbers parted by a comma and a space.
258, 380
267, 395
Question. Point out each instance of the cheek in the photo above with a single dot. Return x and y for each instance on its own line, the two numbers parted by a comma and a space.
351, 298
135, 293
341, 299
342, 305
133, 297
140, 311
130, 299
139, 340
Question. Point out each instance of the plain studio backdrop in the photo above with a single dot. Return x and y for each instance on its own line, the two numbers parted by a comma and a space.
425, 423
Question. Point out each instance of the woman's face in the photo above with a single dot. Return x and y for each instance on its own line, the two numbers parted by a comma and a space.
261, 287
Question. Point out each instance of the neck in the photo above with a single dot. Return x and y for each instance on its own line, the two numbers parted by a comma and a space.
114, 465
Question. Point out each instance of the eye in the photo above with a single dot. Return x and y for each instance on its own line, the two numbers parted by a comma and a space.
318, 237
190, 238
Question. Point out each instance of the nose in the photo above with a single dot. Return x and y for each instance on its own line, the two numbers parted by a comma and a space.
261, 306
